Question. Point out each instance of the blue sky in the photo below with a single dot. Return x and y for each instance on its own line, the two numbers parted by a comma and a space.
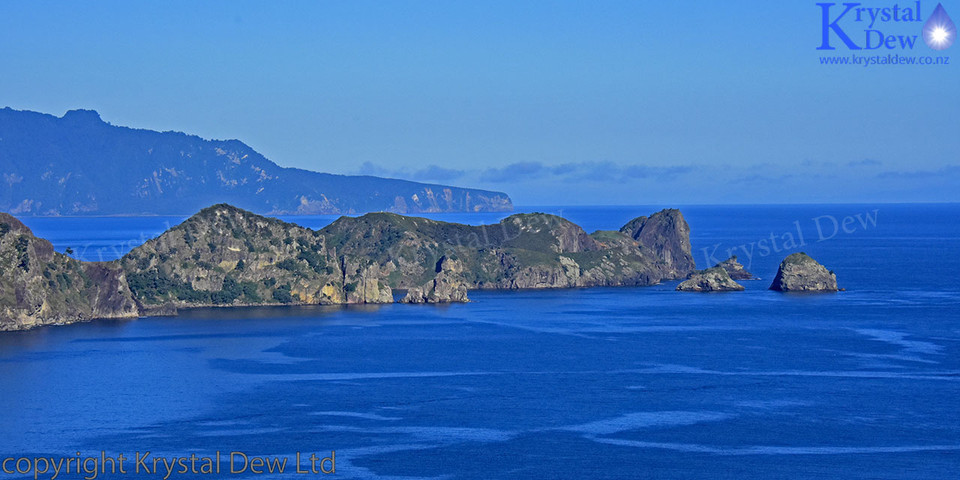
552, 102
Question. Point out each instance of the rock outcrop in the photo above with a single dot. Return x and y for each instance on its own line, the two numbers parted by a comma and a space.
446, 287
800, 273
714, 279
226, 256
39, 286
667, 235
522, 251
735, 269
366, 284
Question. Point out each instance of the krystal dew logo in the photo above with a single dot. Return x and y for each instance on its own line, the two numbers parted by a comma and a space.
889, 27
939, 32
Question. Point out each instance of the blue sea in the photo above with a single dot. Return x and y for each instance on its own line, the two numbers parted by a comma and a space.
551, 384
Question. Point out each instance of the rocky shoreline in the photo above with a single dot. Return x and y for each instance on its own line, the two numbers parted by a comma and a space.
227, 257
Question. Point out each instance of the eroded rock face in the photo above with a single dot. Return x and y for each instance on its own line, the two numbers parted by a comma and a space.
666, 235
800, 273
446, 287
714, 279
735, 269
225, 256
39, 286
369, 286
534, 250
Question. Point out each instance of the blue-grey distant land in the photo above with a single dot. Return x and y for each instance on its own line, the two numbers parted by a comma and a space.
80, 165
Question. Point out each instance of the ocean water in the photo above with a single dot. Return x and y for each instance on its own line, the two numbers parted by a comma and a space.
584, 383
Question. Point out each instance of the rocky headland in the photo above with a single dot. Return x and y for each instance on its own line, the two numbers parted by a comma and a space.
226, 256
39, 286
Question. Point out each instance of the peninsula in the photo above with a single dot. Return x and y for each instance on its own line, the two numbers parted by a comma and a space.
227, 256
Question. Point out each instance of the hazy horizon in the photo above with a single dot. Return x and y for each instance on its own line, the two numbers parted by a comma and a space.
555, 104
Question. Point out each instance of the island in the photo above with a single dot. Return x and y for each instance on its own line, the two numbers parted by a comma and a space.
800, 273
713, 279
225, 256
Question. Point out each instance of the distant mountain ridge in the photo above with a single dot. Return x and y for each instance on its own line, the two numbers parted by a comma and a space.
80, 165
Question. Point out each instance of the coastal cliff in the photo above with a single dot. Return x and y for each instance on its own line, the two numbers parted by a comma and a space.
535, 250
39, 286
446, 286
226, 256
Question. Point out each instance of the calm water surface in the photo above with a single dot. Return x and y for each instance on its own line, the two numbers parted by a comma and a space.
593, 383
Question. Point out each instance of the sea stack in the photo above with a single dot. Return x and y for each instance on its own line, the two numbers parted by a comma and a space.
714, 279
800, 273
735, 269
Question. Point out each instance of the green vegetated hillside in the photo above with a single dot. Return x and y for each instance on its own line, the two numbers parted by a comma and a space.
226, 256
39, 286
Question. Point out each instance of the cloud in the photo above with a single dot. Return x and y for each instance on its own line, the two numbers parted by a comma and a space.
434, 173
369, 168
866, 162
519, 173
944, 172
658, 173
438, 173
514, 173
595, 171
765, 179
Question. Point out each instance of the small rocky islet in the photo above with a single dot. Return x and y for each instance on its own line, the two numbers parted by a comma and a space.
713, 279
719, 278
796, 273
800, 273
